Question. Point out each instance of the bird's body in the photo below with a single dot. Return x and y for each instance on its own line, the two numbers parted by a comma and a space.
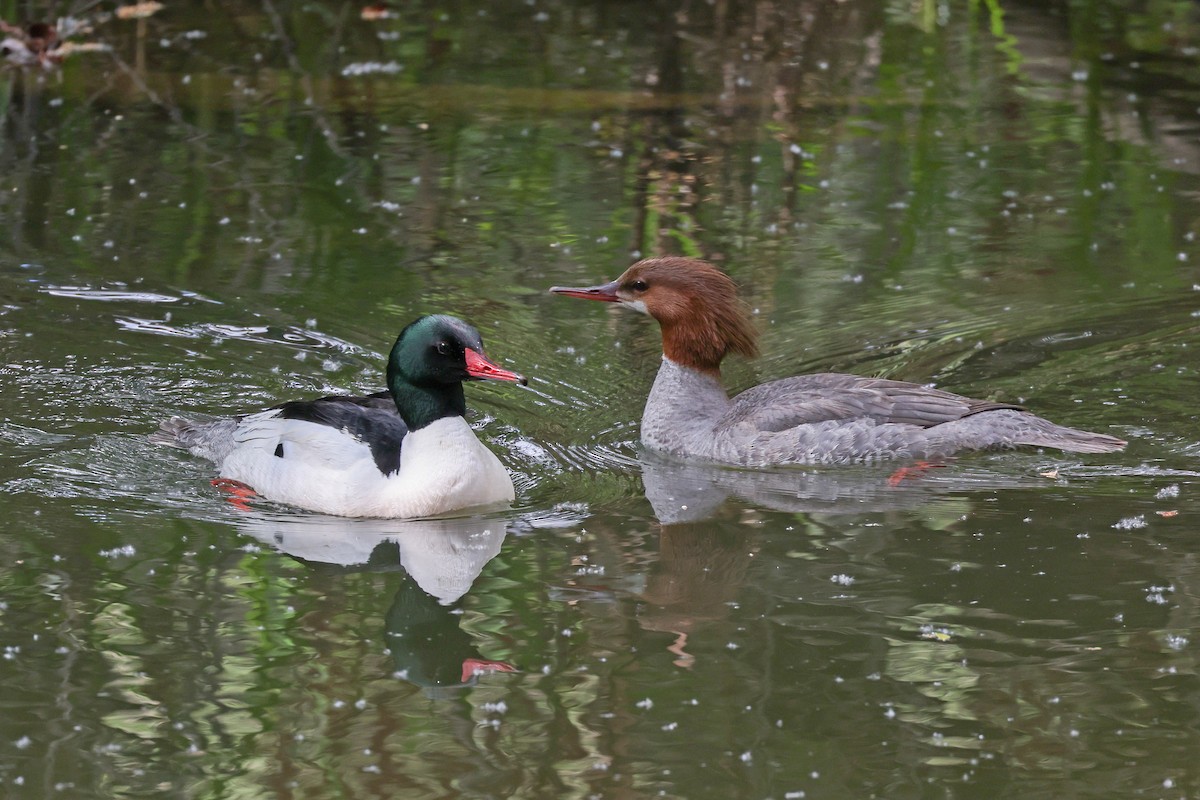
410, 454
823, 418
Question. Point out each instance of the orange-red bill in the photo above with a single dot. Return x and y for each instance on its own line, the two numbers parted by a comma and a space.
605, 292
478, 366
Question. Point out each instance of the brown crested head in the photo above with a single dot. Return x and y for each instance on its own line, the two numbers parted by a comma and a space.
697, 306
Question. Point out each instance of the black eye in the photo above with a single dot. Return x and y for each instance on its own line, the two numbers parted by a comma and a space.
443, 348
639, 286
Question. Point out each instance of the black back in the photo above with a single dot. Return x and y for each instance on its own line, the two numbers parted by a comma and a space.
372, 419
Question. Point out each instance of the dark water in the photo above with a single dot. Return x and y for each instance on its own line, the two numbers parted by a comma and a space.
243, 203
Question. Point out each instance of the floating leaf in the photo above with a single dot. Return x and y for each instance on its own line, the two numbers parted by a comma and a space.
375, 12
70, 48
139, 10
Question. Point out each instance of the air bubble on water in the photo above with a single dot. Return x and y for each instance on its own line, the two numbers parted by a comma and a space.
1158, 598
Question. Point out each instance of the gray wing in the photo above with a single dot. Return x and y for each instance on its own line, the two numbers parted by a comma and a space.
831, 397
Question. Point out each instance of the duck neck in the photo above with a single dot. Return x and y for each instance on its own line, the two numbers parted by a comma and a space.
691, 344
421, 405
683, 409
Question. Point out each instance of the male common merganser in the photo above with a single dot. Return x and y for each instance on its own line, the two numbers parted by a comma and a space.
355, 456
824, 418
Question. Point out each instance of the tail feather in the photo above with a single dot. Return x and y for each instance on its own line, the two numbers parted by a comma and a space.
1003, 428
1042, 433
172, 432
212, 439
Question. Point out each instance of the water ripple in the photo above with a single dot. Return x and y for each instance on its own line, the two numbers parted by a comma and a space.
291, 335
108, 295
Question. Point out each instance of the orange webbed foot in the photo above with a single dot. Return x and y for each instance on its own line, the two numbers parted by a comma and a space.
239, 493
912, 471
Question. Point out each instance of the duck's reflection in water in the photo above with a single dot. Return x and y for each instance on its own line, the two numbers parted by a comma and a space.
684, 492
707, 544
441, 558
701, 570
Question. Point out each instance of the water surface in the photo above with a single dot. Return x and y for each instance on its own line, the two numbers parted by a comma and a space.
241, 205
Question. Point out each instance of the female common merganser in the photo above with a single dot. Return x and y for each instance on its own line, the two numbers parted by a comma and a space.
824, 418
355, 456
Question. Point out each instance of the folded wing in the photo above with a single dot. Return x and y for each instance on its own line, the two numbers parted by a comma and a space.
831, 397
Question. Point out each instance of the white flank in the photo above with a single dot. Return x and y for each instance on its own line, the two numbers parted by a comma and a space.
443, 468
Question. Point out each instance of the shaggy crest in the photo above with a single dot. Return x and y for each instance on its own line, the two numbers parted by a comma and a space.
697, 307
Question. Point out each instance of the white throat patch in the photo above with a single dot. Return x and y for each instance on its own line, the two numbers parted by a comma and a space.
636, 305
